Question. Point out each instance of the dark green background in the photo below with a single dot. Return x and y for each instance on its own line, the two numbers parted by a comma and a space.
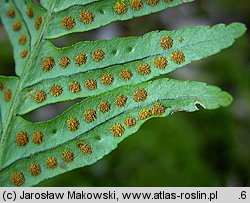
205, 148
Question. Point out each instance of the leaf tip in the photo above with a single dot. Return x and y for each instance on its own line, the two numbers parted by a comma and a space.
226, 99
238, 28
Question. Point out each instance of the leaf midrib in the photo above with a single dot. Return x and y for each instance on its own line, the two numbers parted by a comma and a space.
13, 107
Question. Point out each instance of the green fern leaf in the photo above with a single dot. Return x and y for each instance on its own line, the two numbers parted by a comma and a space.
113, 76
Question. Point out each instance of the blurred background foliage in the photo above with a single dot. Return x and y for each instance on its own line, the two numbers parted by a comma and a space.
205, 148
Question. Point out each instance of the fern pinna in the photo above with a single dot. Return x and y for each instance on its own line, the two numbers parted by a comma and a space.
113, 76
